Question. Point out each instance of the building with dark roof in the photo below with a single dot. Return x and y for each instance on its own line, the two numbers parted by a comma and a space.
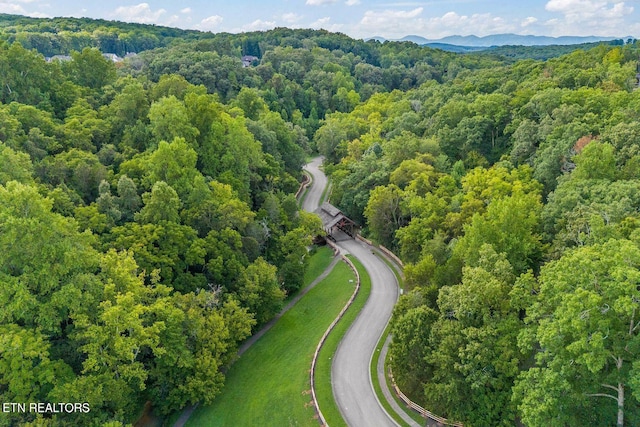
332, 219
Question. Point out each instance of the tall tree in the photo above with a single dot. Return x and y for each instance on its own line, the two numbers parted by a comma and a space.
473, 357
584, 316
90, 69
46, 265
161, 204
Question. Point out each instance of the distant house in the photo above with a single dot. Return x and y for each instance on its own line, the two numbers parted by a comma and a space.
61, 58
248, 60
108, 56
112, 57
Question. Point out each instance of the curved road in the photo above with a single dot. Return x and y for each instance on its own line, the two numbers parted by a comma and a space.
314, 191
351, 378
350, 373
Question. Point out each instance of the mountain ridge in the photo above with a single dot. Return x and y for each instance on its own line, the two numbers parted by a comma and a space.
503, 40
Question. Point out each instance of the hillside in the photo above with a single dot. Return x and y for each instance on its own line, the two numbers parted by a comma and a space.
149, 222
59, 36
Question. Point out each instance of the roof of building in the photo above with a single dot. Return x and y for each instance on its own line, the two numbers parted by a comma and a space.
247, 60
58, 58
112, 57
330, 215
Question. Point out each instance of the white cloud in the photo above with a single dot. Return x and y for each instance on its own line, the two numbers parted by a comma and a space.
352, 2
186, 10
210, 23
320, 23
259, 25
11, 8
172, 20
319, 2
384, 17
580, 10
15, 7
480, 24
587, 17
325, 24
399, 23
141, 13
572, 17
391, 22
291, 18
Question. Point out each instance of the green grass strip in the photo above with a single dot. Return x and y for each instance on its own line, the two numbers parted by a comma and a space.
376, 380
269, 384
376, 357
326, 193
392, 266
320, 260
378, 389
324, 391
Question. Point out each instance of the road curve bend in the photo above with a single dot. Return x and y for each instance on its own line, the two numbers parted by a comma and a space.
350, 371
314, 191
350, 374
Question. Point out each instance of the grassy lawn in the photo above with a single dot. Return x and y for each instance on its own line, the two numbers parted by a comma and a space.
317, 264
269, 384
323, 367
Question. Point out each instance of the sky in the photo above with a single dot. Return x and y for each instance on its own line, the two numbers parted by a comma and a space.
431, 19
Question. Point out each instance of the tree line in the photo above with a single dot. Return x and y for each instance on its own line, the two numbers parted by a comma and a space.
512, 194
147, 229
149, 223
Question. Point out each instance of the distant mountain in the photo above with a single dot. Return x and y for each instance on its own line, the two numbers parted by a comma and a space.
504, 40
455, 48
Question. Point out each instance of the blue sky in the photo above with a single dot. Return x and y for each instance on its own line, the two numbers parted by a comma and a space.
361, 18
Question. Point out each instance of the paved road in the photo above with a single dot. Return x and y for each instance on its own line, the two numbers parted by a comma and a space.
314, 192
350, 374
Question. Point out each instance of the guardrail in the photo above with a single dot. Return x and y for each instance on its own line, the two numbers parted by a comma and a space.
321, 418
384, 250
333, 246
306, 181
419, 409
391, 255
411, 404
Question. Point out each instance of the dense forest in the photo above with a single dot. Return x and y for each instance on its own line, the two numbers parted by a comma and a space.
512, 193
148, 222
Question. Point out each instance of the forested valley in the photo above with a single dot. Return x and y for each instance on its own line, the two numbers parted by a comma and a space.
149, 224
